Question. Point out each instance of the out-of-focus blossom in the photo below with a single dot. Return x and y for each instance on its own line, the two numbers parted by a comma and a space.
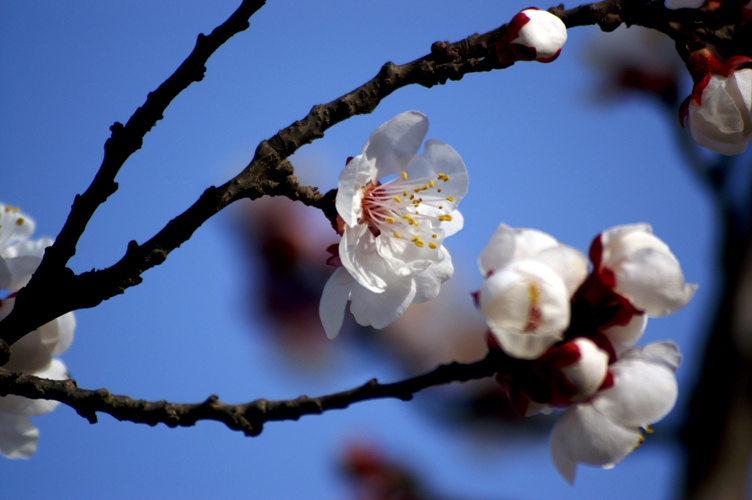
525, 298
33, 353
19, 256
640, 267
635, 59
719, 111
532, 35
605, 429
396, 207
683, 4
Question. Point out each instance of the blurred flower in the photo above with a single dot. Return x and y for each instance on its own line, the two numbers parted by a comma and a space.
397, 208
33, 353
683, 4
530, 280
636, 59
719, 111
605, 429
532, 35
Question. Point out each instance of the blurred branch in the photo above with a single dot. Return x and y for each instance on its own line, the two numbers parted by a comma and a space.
248, 418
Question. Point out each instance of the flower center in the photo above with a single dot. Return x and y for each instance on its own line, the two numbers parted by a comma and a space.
9, 221
405, 208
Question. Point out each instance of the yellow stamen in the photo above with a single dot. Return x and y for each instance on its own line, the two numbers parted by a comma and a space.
433, 246
450, 198
445, 217
434, 236
397, 199
397, 235
431, 183
390, 220
404, 176
20, 221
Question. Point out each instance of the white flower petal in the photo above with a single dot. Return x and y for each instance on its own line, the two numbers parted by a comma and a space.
583, 435
643, 392
508, 244
654, 282
358, 254
441, 158
356, 175
391, 147
625, 337
428, 282
334, 301
647, 272
380, 310
569, 263
18, 436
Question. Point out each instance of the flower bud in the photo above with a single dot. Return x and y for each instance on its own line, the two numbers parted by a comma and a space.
719, 111
532, 35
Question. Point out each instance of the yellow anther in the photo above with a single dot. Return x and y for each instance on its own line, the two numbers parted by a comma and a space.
450, 198
404, 176
404, 193
20, 221
16, 210
433, 246
390, 220
434, 236
8, 208
409, 218
397, 199
397, 235
418, 242
431, 183
417, 190
438, 190
648, 430
445, 217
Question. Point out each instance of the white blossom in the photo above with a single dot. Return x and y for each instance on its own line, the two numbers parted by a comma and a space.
641, 268
719, 113
397, 208
605, 429
32, 355
19, 256
525, 298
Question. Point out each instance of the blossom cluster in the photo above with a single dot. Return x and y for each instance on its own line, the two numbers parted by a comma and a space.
34, 353
568, 337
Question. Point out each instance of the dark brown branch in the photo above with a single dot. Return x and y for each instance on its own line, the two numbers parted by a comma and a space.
248, 418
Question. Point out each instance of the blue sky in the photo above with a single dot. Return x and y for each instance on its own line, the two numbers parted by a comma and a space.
541, 153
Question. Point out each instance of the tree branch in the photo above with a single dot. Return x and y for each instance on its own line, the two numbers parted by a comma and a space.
269, 173
248, 418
